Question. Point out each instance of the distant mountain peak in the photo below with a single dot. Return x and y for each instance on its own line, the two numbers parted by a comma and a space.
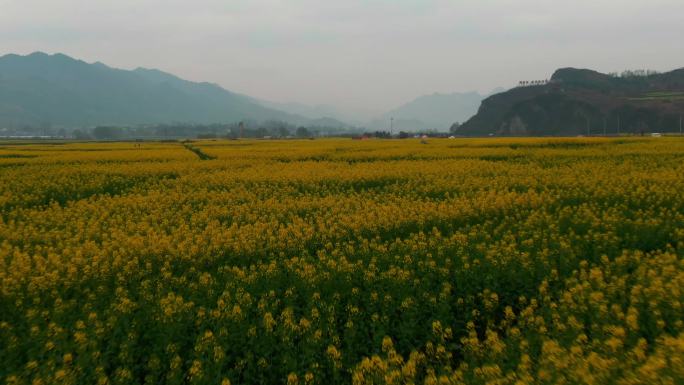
46, 56
37, 54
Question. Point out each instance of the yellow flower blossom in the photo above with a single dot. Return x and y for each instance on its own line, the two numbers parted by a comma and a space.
493, 261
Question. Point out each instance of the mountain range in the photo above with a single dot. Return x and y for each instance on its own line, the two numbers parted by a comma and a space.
584, 102
39, 90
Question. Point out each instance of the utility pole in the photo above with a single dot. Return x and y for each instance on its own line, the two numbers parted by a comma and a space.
392, 126
680, 124
605, 124
618, 125
588, 126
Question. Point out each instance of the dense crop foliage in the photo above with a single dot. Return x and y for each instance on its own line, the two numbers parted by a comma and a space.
336, 261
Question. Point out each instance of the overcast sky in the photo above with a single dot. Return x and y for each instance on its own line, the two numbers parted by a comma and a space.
354, 54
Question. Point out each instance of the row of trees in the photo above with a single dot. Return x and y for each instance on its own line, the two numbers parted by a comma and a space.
246, 129
634, 73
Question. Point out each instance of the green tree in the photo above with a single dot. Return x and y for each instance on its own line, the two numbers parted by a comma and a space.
303, 132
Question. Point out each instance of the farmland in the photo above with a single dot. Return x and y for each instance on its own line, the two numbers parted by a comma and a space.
660, 96
465, 261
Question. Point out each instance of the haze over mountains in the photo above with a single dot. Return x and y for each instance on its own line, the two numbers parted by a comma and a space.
432, 112
57, 90
41, 90
436, 111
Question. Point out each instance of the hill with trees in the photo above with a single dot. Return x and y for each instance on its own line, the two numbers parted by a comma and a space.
583, 102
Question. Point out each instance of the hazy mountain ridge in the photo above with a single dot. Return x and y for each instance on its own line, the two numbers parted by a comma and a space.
321, 115
436, 111
307, 111
584, 102
42, 89
439, 110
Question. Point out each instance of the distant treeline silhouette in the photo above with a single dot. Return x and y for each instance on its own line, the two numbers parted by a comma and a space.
248, 129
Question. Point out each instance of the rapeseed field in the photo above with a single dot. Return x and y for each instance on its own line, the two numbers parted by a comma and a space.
464, 261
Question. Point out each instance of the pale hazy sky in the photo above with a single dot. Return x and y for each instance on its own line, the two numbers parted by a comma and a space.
354, 54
